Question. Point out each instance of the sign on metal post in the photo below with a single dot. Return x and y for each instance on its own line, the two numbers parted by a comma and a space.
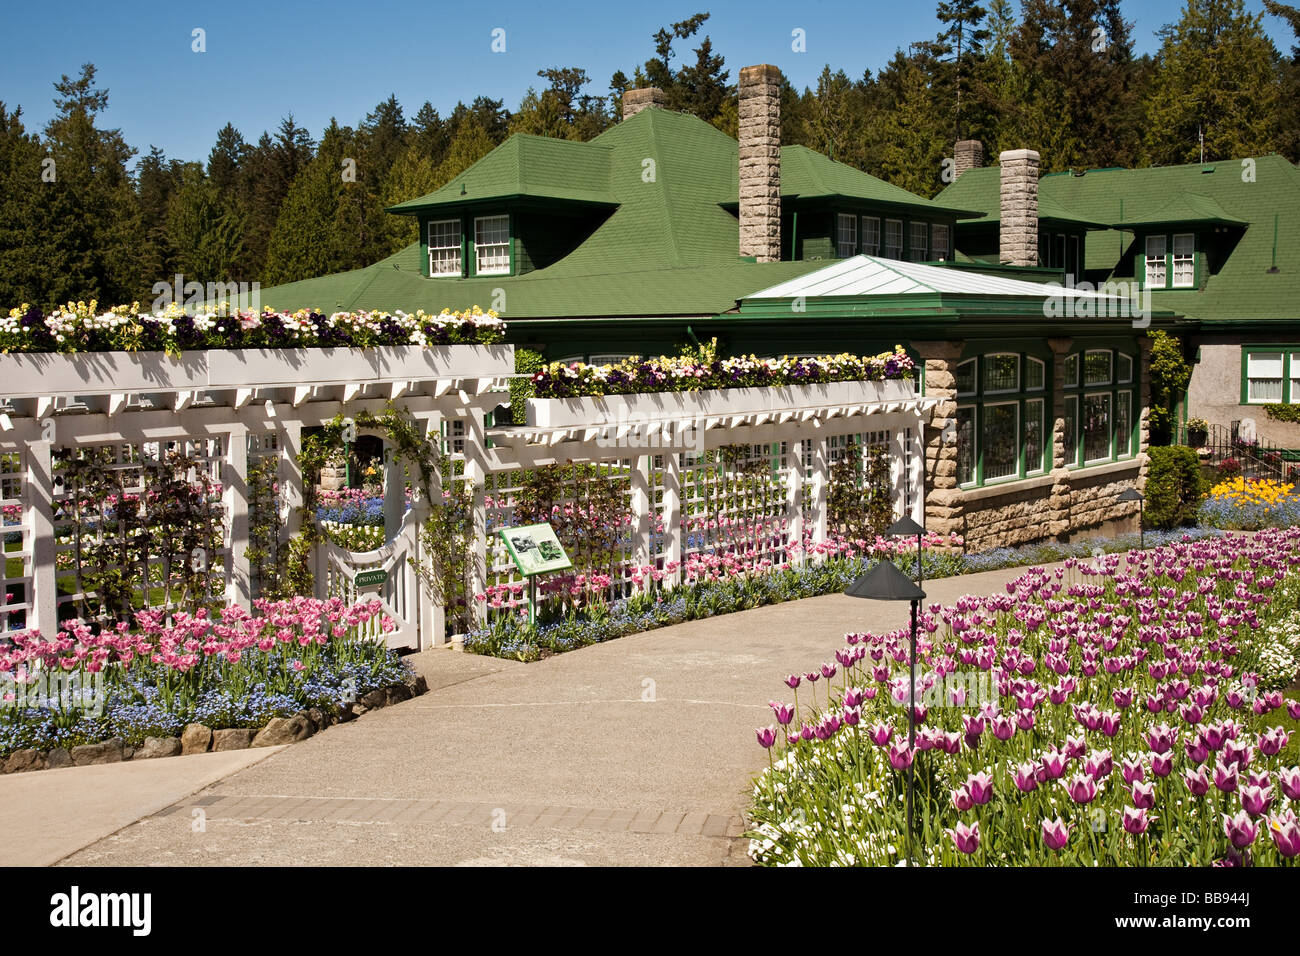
535, 550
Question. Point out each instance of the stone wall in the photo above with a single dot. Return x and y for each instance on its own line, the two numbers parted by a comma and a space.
1014, 516
1093, 504
943, 499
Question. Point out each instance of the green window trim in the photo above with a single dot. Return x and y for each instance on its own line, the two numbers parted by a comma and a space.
1289, 368
981, 411
1120, 394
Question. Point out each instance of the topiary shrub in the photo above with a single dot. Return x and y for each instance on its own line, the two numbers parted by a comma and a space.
527, 362
1174, 487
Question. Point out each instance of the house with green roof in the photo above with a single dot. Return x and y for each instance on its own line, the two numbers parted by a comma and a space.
1213, 242
664, 231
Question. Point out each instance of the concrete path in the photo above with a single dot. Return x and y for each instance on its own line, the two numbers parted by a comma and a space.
639, 751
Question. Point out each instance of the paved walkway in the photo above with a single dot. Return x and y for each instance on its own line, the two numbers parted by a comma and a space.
639, 751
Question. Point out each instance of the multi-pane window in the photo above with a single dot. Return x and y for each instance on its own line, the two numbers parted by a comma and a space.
871, 235
940, 249
918, 234
846, 236
1001, 417
1099, 417
492, 245
1184, 261
1155, 262
444, 247
1266, 374
893, 238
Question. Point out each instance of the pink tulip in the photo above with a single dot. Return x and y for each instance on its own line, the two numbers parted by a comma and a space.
1272, 741
1025, 777
966, 838
1288, 778
1162, 764
980, 786
1132, 770
1098, 764
1225, 777
900, 757
1135, 820
766, 736
1081, 788
1198, 784
1285, 831
1054, 763
1055, 834
1240, 829
1144, 795
784, 712
1256, 800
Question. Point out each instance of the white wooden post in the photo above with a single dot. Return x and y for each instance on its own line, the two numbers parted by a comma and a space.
640, 488
290, 476
819, 490
433, 617
40, 496
234, 481
672, 517
394, 492
794, 501
476, 472
898, 476
916, 468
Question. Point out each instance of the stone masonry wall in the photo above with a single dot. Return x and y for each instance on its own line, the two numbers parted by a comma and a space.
1018, 232
760, 162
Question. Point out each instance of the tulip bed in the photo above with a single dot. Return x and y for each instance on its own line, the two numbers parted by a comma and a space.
1123, 711
238, 669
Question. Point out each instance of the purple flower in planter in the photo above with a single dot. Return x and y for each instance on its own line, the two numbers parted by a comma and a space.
966, 838
1240, 829
1135, 820
1055, 834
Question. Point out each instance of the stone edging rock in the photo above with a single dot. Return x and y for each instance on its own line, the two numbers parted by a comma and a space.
197, 738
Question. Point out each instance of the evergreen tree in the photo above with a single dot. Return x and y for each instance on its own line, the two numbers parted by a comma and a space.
412, 176
1289, 106
30, 212
303, 242
429, 134
962, 39
1215, 77
910, 142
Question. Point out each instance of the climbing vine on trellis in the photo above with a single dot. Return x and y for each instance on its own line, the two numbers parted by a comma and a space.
859, 501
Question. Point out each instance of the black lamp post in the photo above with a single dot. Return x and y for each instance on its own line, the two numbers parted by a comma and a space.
885, 582
1132, 494
906, 526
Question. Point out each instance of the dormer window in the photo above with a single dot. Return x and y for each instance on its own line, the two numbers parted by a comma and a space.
444, 247
941, 250
1155, 267
918, 234
492, 245
1184, 261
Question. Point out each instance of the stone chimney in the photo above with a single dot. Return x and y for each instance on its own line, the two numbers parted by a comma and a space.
967, 154
760, 162
634, 101
1018, 234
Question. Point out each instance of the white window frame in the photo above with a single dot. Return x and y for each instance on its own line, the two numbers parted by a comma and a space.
500, 250
1184, 261
893, 250
1042, 435
846, 235
912, 254
440, 260
1155, 272
940, 249
871, 235
1294, 397
1254, 373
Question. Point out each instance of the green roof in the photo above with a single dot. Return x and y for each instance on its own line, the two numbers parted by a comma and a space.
1217, 195
527, 165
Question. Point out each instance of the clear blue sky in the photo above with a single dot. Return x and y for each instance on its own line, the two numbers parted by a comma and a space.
340, 57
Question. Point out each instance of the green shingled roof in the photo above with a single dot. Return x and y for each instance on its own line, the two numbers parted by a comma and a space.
1202, 196
669, 247
527, 165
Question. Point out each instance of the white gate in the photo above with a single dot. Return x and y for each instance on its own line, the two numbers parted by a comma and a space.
338, 569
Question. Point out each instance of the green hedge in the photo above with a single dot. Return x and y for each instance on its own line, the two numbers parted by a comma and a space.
1174, 487
528, 362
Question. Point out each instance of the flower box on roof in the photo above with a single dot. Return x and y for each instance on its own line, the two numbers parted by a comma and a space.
720, 402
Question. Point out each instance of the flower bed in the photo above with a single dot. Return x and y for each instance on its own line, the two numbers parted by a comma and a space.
1114, 712
1249, 504
236, 670
688, 374
722, 583
82, 327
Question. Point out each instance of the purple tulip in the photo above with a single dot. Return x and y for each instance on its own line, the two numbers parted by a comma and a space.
1256, 800
966, 838
1213, 737
1055, 834
1004, 728
1135, 820
766, 736
1162, 764
1225, 777
1240, 829
828, 671
881, 733
1144, 795
962, 799
1123, 696
853, 697
1075, 747
1109, 723
1161, 738
1191, 713
812, 677
1081, 788
1293, 709
1132, 770
1054, 763
1285, 831
852, 716
1025, 719
900, 757
1025, 777
1196, 751
1237, 753
1198, 784
793, 681
784, 712
980, 786
1272, 741
1288, 778
1098, 764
